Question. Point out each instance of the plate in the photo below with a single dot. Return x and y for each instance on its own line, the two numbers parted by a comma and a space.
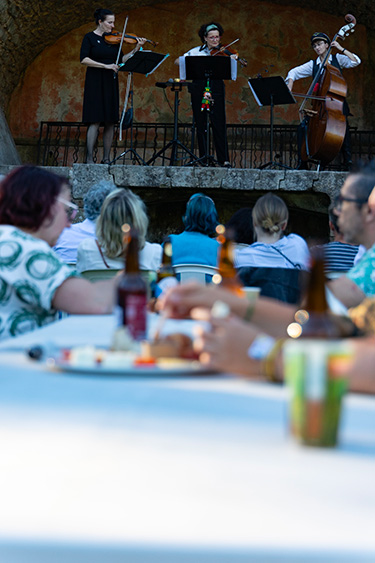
162, 368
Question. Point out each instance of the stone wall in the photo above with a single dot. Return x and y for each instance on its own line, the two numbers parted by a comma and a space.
166, 190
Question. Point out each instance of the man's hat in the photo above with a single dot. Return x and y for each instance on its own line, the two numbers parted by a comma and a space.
319, 36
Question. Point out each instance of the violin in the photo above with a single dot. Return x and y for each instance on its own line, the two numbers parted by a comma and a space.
227, 51
325, 122
114, 38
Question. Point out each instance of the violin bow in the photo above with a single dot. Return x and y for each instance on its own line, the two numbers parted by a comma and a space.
122, 39
226, 46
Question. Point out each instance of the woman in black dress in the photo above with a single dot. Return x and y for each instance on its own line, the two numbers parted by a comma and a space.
101, 94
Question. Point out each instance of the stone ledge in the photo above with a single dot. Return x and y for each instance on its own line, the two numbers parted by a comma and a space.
167, 177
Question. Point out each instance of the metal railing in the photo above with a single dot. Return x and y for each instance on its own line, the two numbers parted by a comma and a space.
64, 143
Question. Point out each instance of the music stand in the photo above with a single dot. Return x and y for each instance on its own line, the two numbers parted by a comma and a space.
271, 91
176, 87
142, 62
207, 68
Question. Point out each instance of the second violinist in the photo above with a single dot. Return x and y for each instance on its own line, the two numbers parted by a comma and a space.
210, 35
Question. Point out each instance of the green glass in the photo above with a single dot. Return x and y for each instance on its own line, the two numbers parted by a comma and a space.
315, 371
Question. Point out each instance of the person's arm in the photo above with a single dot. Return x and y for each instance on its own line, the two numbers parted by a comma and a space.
343, 54
94, 64
346, 291
79, 296
267, 314
228, 347
298, 72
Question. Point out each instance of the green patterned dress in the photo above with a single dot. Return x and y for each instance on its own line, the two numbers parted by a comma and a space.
30, 273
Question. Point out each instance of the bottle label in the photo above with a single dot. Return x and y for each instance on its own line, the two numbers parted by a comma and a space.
134, 315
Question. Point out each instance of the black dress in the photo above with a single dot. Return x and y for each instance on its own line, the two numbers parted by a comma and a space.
101, 94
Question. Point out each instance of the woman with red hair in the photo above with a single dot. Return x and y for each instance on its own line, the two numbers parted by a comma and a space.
35, 207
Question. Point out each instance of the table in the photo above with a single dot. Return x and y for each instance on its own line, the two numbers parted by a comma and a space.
191, 469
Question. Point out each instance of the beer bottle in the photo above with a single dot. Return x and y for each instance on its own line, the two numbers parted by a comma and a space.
132, 290
166, 269
227, 277
315, 317
166, 276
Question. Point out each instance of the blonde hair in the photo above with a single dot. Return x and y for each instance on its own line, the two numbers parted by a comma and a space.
119, 207
269, 213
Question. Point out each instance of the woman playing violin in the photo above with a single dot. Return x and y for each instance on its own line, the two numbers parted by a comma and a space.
320, 42
210, 35
101, 94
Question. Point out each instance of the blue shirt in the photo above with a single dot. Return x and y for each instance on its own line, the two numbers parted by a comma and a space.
191, 247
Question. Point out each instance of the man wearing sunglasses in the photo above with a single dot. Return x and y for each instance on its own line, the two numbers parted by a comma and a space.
355, 207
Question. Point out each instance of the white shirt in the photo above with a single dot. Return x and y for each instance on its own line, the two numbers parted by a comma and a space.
203, 52
306, 69
89, 257
293, 252
70, 238
198, 52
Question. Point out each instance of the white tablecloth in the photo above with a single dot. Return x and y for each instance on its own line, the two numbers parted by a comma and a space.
106, 469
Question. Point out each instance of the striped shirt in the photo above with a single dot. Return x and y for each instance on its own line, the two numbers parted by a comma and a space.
339, 256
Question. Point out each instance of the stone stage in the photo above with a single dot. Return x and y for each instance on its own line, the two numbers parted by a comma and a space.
166, 189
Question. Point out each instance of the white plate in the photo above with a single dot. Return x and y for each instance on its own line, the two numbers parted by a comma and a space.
187, 368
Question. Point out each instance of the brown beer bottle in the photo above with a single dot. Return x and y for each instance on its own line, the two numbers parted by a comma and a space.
132, 290
227, 277
166, 269
315, 318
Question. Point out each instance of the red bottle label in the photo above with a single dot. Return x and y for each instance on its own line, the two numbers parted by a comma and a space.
135, 314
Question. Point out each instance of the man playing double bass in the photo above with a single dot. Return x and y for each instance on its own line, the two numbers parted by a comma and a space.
320, 42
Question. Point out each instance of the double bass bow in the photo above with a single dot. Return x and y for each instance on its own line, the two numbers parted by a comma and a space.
324, 122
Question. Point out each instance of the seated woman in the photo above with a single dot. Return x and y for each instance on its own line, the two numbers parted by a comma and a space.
195, 244
107, 251
275, 261
34, 283
272, 248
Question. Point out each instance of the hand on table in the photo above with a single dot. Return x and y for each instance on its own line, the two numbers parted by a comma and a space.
225, 346
180, 300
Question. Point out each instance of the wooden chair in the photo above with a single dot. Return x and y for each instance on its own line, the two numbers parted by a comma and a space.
202, 273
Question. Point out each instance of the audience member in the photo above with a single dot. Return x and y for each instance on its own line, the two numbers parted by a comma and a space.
355, 208
66, 246
34, 283
241, 224
273, 249
339, 255
108, 250
196, 245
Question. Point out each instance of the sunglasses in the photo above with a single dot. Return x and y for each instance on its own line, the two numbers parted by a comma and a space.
70, 208
340, 199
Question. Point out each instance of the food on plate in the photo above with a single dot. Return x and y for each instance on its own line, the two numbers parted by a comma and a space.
175, 345
123, 341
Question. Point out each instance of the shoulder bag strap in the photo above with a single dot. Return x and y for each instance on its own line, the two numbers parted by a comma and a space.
102, 255
297, 266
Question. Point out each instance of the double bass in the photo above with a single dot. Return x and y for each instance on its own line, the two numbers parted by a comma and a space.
324, 123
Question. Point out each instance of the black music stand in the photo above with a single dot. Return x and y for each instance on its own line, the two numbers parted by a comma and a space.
142, 62
271, 91
206, 69
175, 143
